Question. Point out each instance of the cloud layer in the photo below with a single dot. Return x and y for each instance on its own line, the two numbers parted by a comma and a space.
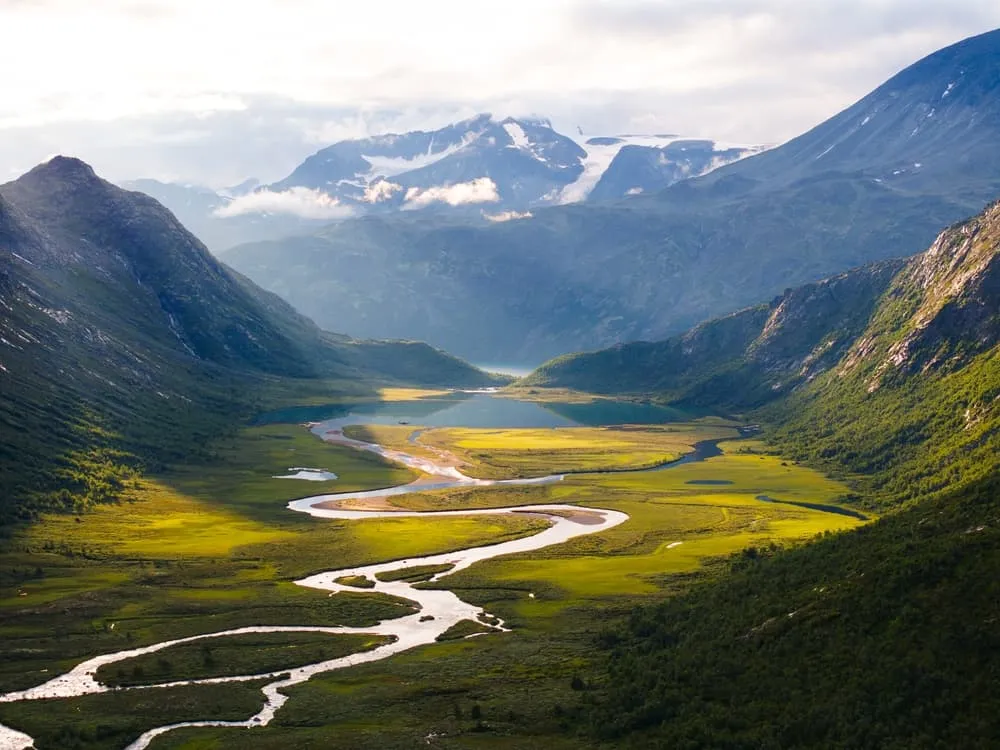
192, 99
296, 201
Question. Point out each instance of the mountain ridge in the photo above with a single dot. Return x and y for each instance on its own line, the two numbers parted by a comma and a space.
654, 265
124, 342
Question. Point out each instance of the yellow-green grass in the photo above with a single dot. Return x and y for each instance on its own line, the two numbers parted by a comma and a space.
241, 476
246, 654
674, 529
542, 395
509, 453
358, 582
172, 564
396, 437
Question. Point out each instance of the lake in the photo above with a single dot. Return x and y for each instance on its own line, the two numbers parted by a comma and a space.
483, 410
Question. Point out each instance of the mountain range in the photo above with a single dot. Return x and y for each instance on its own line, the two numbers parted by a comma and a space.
483, 169
874, 182
118, 329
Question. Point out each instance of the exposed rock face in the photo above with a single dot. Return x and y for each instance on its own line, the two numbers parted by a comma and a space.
942, 309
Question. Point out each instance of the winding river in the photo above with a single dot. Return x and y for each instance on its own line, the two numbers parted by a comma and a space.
438, 610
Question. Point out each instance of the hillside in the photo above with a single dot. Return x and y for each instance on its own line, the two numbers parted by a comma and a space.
880, 638
911, 346
742, 360
122, 340
847, 193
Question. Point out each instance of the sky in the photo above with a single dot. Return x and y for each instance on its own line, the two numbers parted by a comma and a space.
215, 91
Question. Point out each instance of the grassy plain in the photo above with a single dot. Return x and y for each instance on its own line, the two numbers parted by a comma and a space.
209, 548
515, 453
204, 549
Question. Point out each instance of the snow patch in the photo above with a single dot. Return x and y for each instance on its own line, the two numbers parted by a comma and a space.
517, 135
390, 166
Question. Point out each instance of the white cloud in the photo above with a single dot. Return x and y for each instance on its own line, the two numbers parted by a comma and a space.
382, 190
712, 67
507, 216
479, 190
297, 201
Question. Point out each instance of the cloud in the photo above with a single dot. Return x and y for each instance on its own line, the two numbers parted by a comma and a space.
479, 190
379, 191
756, 71
507, 216
297, 201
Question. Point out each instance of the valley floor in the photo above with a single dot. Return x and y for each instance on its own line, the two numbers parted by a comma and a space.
209, 548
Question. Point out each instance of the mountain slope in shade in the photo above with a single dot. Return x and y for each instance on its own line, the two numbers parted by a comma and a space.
642, 169
742, 360
119, 332
572, 278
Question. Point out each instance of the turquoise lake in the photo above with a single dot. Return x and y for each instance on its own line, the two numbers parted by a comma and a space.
483, 410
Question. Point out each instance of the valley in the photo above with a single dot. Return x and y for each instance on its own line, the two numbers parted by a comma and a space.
727, 476
212, 549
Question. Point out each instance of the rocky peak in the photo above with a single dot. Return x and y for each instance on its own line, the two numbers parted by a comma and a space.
942, 308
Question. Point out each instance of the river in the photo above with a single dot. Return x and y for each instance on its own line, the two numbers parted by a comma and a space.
438, 610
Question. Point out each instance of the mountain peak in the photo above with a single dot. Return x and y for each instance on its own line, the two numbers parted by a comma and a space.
64, 168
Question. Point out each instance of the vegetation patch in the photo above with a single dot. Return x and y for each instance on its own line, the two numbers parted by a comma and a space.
415, 573
463, 629
251, 653
110, 721
358, 582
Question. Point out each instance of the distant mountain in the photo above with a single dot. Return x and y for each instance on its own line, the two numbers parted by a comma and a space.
481, 170
643, 165
874, 182
522, 161
119, 332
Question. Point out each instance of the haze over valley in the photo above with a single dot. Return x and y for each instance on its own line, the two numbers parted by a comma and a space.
578, 375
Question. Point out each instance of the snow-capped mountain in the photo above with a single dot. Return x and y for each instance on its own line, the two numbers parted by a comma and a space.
512, 163
647, 164
480, 167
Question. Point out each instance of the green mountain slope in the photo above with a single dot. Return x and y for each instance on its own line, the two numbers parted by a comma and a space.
881, 638
739, 361
874, 182
122, 340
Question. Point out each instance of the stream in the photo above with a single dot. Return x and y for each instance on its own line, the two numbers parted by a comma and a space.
438, 610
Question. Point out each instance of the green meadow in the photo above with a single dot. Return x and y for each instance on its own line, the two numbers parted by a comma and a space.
211, 547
